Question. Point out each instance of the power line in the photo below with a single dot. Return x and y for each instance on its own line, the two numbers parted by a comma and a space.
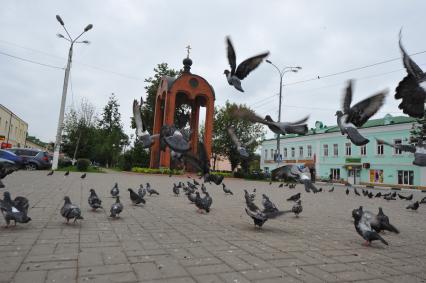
31, 61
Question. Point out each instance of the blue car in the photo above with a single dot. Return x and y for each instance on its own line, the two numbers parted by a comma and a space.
19, 161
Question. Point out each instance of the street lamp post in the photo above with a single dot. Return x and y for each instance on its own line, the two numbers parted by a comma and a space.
65, 88
281, 72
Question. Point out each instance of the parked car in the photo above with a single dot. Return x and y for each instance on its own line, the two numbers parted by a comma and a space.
19, 161
33, 158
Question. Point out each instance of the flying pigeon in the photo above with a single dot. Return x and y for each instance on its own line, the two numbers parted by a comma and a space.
413, 206
176, 190
299, 127
16, 210
412, 88
241, 148
141, 191
135, 198
141, 132
177, 142
67, 173
237, 74
352, 117
293, 172
94, 200
151, 191
226, 190
70, 211
363, 228
294, 198
50, 173
331, 190
419, 150
115, 191
297, 208
83, 176
116, 208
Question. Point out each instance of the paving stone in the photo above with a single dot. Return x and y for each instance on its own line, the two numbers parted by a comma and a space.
62, 275
30, 276
208, 269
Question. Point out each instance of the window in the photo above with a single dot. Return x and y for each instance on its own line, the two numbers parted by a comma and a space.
292, 152
397, 151
335, 149
309, 151
272, 154
285, 152
405, 177
364, 150
379, 148
376, 176
348, 148
326, 150
266, 154
266, 169
335, 173
300, 151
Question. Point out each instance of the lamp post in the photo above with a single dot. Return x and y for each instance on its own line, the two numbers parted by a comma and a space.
281, 72
65, 87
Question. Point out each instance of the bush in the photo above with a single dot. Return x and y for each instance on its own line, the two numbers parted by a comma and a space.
64, 162
165, 171
82, 164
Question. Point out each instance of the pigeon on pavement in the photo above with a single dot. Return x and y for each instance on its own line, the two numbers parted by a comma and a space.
67, 173
116, 208
135, 198
294, 198
70, 211
115, 191
16, 210
413, 206
297, 208
293, 172
141, 191
150, 190
175, 190
226, 190
50, 173
94, 201
83, 176
363, 228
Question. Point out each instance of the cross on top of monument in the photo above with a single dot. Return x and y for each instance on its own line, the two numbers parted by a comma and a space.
188, 48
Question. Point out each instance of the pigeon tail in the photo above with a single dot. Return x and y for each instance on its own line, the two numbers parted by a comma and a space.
390, 227
355, 137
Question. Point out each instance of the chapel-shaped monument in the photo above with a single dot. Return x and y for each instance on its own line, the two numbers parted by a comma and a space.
189, 89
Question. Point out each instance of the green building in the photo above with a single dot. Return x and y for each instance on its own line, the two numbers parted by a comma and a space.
329, 154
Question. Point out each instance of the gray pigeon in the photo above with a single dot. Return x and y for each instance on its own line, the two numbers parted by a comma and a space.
294, 172
142, 134
238, 145
135, 198
250, 202
6, 167
423, 200
226, 190
363, 227
150, 190
94, 200
175, 190
177, 142
115, 191
297, 208
141, 191
16, 210
50, 173
70, 211
116, 208
294, 198
237, 74
413, 206
419, 150
412, 89
352, 117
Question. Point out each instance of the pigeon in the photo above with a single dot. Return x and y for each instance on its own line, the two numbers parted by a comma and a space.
294, 172
419, 150
389, 197
363, 228
195, 182
347, 191
151, 191
241, 148
299, 127
356, 192
331, 190
94, 201
413, 205
378, 195
383, 219
370, 195
83, 176
70, 211
142, 134
191, 197
412, 88
319, 190
141, 191
16, 210
116, 208
352, 117
253, 194
176, 142
115, 191
250, 202
206, 202
297, 208
226, 190
237, 74
203, 188
423, 200
393, 195
281, 185
135, 198
268, 205
364, 192
294, 198
67, 173
6, 167
50, 173
175, 190
258, 217
401, 196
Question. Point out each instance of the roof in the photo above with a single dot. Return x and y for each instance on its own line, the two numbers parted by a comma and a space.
385, 121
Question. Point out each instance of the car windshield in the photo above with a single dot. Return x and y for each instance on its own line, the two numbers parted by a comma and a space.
6, 152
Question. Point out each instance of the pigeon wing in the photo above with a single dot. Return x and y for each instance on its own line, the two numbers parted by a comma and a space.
234, 138
413, 98
411, 66
232, 58
249, 115
363, 110
140, 128
249, 65
347, 98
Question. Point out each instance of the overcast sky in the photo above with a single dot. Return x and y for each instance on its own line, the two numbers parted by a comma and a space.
130, 37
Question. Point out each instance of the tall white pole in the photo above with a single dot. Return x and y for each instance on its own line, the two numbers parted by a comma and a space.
61, 112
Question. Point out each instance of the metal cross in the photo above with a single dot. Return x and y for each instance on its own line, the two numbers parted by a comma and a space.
188, 48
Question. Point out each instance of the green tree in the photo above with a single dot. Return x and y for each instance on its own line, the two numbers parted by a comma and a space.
418, 130
245, 131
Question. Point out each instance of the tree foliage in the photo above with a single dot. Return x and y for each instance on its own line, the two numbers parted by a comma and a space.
418, 130
245, 131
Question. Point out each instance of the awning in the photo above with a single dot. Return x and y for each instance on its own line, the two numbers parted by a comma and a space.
356, 165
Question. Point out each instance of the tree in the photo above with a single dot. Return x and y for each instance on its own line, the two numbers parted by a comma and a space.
418, 130
245, 131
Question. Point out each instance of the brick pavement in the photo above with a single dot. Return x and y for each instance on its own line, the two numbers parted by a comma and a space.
167, 241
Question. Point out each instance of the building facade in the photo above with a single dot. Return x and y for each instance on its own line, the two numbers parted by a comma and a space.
13, 130
330, 155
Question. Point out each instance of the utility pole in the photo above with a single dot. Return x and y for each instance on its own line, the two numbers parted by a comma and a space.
57, 146
281, 73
